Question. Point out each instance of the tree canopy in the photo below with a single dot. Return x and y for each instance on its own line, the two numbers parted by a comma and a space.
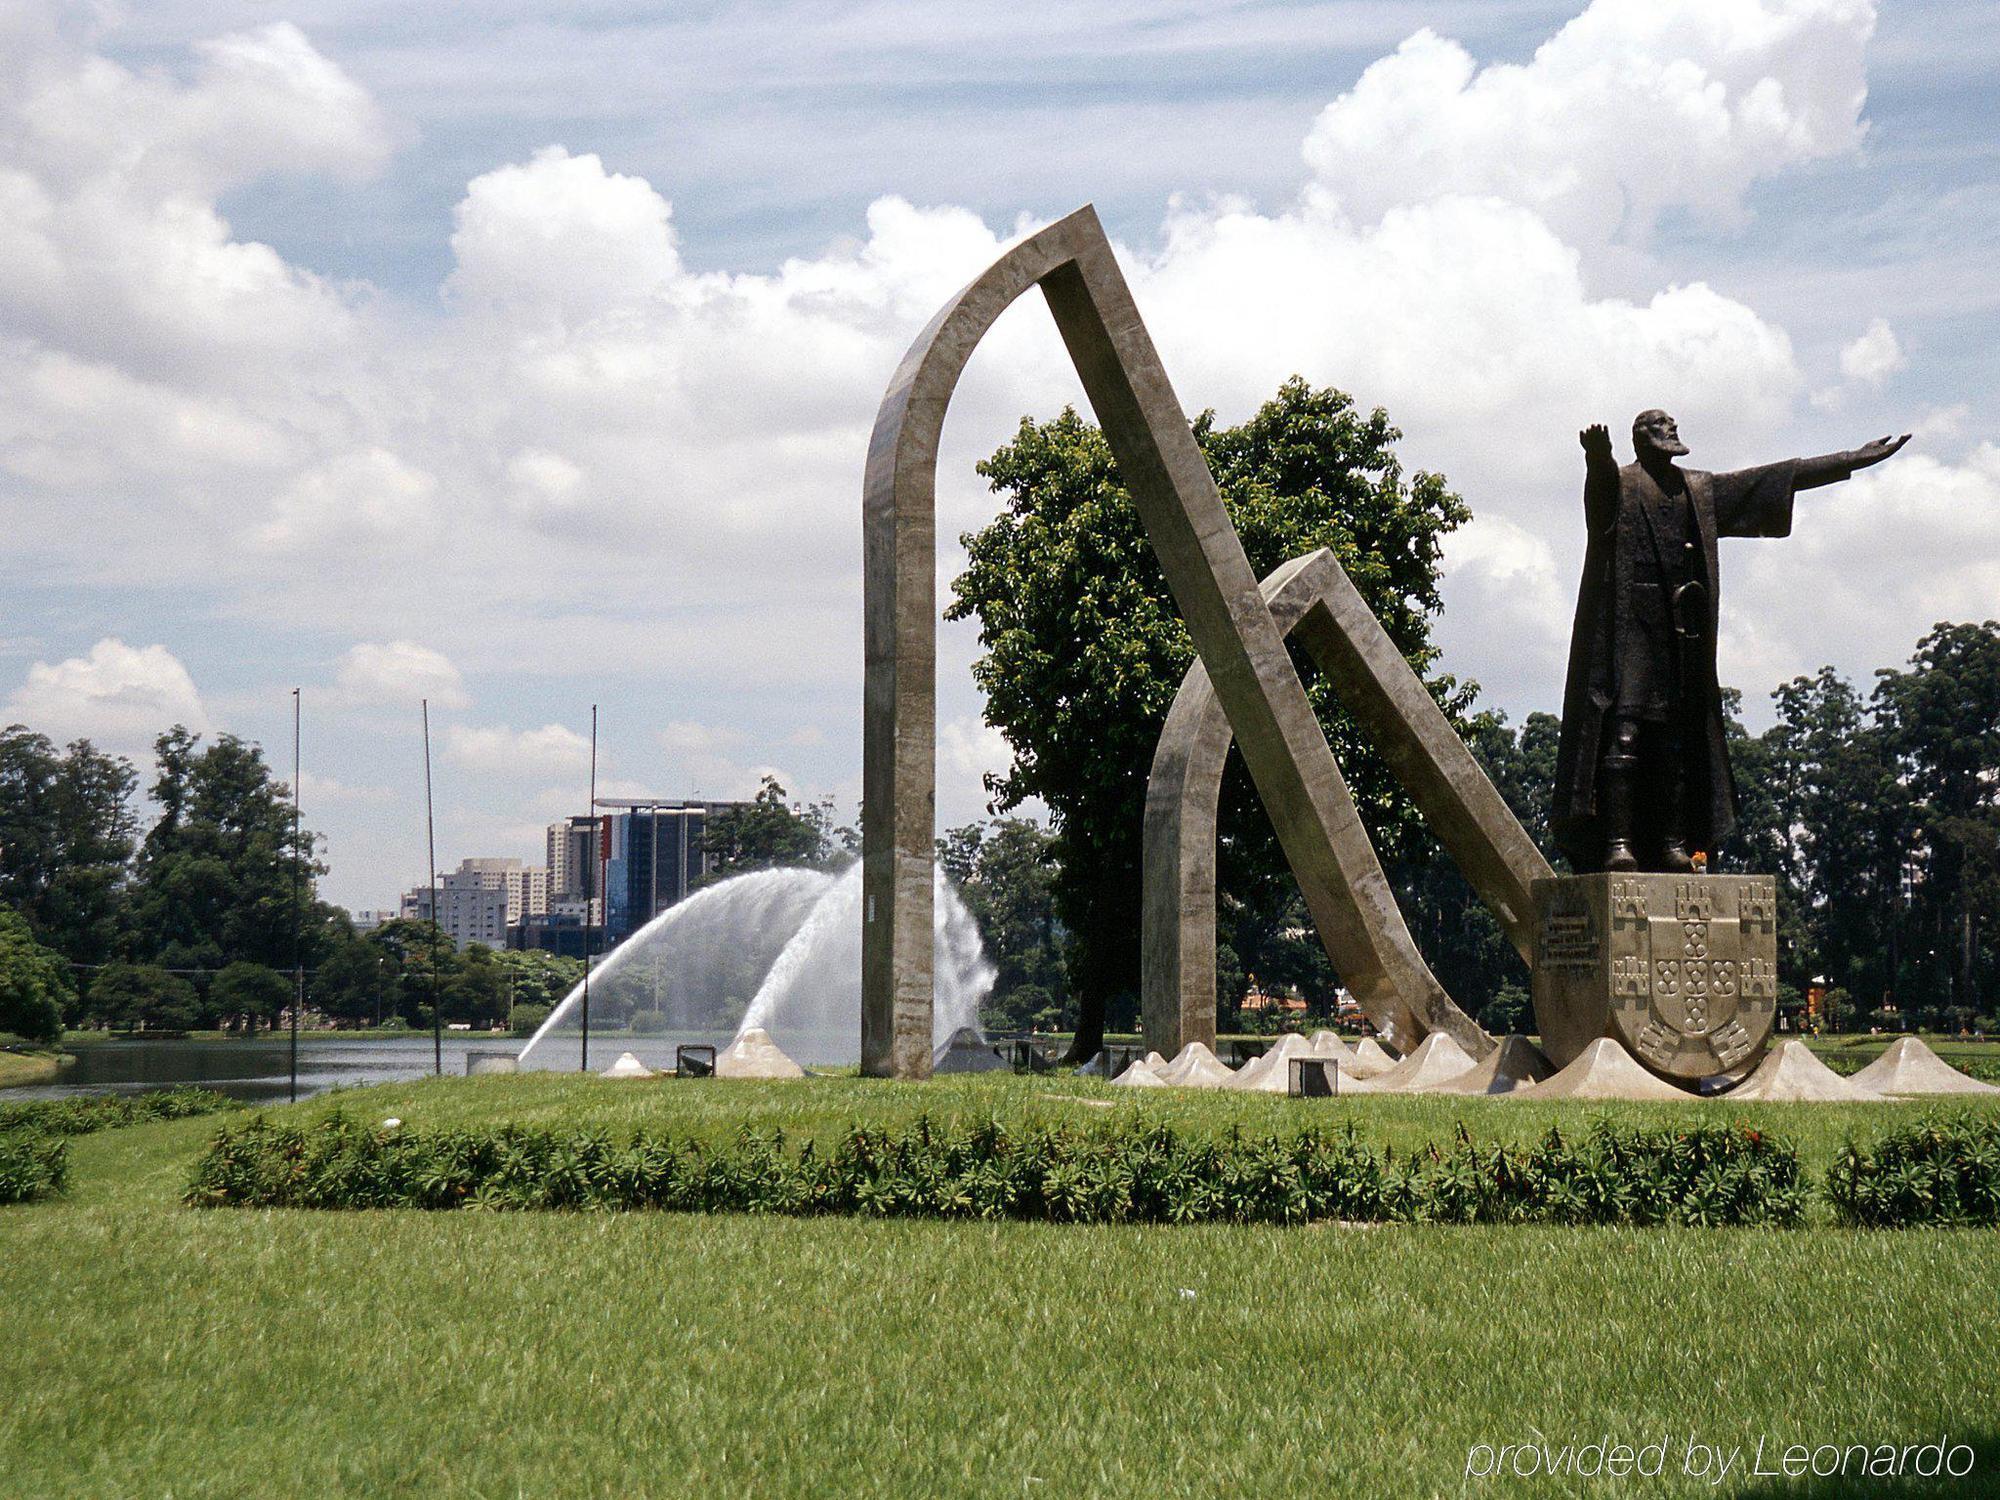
1084, 650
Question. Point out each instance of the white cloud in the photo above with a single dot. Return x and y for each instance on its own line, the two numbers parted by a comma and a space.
1890, 553
119, 696
1634, 108
368, 499
973, 748
497, 750
316, 790
400, 672
1874, 356
594, 452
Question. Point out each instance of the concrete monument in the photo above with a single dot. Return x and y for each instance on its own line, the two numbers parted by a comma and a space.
1681, 969
1313, 600
1212, 584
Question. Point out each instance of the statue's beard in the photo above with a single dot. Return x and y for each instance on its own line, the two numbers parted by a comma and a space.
1671, 448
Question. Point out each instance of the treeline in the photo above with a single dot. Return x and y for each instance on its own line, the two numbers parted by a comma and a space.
205, 918
1879, 814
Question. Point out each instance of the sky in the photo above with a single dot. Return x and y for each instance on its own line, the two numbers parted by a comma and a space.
522, 356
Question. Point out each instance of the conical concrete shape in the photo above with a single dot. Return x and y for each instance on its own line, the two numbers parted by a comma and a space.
1792, 1072
969, 1052
1138, 1076
754, 1055
1370, 1058
1910, 1067
1436, 1059
1603, 1070
627, 1066
1326, 1044
1516, 1063
1194, 1066
1271, 1073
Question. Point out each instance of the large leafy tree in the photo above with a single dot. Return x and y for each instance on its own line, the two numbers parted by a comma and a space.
772, 830
1006, 873
1942, 718
218, 877
66, 837
35, 984
249, 992
133, 995
1084, 650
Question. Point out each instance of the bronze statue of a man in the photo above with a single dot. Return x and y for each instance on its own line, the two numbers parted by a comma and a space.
1642, 775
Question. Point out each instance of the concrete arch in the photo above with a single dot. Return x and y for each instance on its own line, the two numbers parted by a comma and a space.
1313, 598
1213, 586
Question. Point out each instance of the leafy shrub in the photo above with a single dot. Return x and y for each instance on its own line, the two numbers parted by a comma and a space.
1943, 1169
524, 1019
31, 1167
85, 1114
649, 1023
1706, 1175
1120, 1174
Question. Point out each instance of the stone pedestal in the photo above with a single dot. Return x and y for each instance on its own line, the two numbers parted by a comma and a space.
1680, 969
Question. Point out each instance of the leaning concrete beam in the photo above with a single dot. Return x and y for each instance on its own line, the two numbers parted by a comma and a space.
1313, 598
1212, 584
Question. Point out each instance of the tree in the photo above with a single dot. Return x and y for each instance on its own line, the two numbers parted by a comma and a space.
66, 837
414, 955
770, 831
1942, 719
253, 992
218, 874
536, 977
1006, 874
135, 995
34, 983
1084, 650
350, 980
476, 991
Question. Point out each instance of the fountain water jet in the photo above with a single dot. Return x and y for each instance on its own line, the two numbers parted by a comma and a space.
779, 950
811, 999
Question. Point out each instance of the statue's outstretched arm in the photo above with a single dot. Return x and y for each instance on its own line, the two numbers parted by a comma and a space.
1831, 468
1600, 478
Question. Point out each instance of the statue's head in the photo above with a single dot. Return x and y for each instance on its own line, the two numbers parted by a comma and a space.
1654, 432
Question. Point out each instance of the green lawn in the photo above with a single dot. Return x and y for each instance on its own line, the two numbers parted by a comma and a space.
17, 1068
157, 1350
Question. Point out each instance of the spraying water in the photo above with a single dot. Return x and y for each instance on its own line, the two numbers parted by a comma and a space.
811, 998
779, 949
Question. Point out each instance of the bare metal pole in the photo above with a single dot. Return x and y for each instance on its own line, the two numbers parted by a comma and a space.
298, 904
430, 841
597, 863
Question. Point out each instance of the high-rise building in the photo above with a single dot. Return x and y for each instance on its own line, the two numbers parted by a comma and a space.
480, 900
572, 846
646, 852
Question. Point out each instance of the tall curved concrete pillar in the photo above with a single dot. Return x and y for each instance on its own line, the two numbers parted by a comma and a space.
1212, 584
1313, 598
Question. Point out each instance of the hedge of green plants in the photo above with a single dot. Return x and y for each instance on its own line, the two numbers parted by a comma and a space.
31, 1167
1709, 1175
1944, 1169
83, 1114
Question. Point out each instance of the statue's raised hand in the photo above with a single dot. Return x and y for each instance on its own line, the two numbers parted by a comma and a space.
1596, 440
1875, 452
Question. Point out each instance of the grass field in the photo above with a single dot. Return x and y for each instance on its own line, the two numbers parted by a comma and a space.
157, 1350
17, 1068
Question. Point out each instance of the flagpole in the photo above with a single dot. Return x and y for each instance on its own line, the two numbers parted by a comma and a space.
430, 840
298, 903
597, 861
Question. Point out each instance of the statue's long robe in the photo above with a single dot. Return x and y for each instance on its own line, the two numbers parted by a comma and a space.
1624, 653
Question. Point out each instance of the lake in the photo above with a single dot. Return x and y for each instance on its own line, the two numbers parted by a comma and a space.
258, 1070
